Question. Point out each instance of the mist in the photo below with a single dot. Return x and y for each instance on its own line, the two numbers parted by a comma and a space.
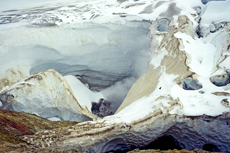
117, 93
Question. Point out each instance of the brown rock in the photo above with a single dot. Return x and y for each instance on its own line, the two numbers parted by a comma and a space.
221, 93
14, 124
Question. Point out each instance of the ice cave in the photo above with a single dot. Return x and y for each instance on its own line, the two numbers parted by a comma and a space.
132, 73
98, 61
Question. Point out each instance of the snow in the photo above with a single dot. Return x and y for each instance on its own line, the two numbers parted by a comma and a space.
195, 103
54, 119
156, 61
82, 93
23, 4
216, 12
147, 104
99, 11
225, 63
80, 11
202, 56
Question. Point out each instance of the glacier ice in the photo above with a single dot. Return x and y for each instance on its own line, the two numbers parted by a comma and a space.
99, 55
46, 94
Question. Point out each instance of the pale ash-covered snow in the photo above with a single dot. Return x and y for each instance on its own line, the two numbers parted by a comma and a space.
148, 103
46, 94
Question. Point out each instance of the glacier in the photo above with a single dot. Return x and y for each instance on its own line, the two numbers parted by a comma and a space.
162, 65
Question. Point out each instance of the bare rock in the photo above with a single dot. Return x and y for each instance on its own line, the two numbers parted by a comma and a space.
16, 124
190, 84
102, 108
220, 80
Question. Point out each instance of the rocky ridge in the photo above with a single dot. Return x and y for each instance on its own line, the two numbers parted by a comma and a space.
15, 124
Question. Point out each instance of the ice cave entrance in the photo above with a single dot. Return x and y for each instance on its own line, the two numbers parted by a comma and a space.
106, 58
166, 142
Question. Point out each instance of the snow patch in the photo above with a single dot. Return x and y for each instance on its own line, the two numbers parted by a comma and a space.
83, 95
202, 56
54, 119
216, 12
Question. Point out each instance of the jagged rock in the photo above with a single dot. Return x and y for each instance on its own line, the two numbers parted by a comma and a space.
163, 25
102, 108
221, 93
190, 84
225, 103
220, 80
47, 94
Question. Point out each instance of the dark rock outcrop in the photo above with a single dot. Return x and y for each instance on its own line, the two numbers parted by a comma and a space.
190, 84
102, 108
221, 80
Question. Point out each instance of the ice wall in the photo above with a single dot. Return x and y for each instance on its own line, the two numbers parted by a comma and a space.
101, 56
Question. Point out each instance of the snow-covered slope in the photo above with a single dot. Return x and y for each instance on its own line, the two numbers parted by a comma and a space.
179, 53
82, 93
183, 93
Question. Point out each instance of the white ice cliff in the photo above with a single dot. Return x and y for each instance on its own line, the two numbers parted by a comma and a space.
174, 54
